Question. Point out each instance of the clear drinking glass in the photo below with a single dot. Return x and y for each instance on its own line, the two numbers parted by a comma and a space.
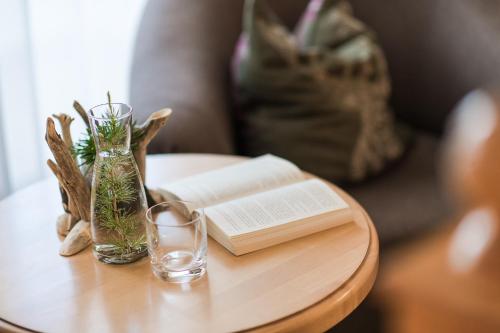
118, 201
177, 241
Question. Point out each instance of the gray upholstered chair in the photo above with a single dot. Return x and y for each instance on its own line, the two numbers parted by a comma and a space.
437, 50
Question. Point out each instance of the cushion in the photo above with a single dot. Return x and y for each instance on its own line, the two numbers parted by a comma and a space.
437, 51
317, 98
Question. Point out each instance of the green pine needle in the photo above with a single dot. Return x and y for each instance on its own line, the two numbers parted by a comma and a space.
115, 193
85, 150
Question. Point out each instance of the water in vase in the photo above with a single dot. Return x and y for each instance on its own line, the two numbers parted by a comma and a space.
118, 201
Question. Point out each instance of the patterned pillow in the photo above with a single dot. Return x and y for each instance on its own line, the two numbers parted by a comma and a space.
317, 97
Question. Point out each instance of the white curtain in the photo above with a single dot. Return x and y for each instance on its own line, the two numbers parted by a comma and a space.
52, 52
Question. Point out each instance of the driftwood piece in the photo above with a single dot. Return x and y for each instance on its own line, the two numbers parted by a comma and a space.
65, 222
71, 206
65, 122
150, 128
77, 239
70, 176
81, 111
156, 196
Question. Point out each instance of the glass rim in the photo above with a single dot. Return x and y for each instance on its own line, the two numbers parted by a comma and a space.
168, 203
126, 114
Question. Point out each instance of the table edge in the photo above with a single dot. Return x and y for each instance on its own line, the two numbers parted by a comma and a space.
6, 326
321, 316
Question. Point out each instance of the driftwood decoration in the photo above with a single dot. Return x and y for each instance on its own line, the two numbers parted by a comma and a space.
74, 223
67, 171
65, 122
150, 128
81, 111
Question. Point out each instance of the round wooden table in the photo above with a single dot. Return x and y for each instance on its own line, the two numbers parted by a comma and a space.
305, 285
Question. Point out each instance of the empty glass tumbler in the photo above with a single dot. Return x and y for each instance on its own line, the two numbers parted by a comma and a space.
177, 241
118, 200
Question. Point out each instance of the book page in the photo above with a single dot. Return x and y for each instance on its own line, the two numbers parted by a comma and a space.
275, 207
234, 181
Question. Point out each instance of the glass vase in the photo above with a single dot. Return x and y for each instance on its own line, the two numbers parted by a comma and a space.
118, 201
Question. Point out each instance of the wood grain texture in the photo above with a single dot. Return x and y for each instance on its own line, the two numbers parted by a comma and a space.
73, 181
71, 207
65, 123
81, 111
305, 285
150, 128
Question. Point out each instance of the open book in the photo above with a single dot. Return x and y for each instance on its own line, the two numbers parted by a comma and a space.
260, 202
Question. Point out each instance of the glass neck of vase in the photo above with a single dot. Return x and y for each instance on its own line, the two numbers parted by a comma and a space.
110, 124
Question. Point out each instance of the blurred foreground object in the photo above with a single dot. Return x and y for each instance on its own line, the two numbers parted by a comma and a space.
450, 281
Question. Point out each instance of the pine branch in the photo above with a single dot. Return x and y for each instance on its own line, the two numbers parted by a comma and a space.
116, 189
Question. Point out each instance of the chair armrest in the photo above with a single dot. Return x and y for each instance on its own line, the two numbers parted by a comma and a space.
181, 60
